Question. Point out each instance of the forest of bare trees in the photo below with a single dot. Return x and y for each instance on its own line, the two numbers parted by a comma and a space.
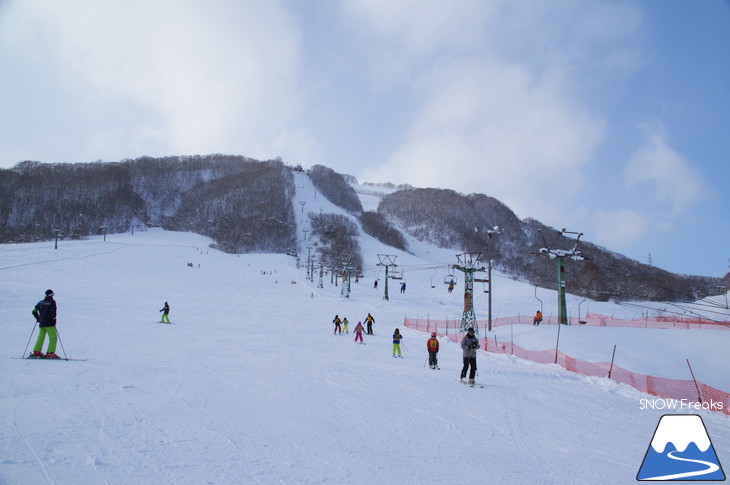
245, 205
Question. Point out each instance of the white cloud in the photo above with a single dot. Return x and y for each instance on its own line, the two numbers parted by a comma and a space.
618, 229
497, 90
662, 176
175, 76
497, 129
420, 27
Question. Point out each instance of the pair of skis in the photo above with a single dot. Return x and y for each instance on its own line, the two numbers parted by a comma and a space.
470, 384
43, 358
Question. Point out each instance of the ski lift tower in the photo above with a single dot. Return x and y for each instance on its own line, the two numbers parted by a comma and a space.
469, 263
346, 268
560, 255
490, 233
386, 260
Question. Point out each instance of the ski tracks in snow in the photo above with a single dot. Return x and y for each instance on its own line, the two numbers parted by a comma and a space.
30, 448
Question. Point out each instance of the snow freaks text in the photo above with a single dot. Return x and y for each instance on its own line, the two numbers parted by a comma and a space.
680, 405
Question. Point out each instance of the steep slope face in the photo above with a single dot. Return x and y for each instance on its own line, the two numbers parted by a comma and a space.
162, 182
250, 211
377, 226
442, 217
336, 188
333, 186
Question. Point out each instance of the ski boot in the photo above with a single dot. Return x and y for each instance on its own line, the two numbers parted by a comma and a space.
36, 355
51, 355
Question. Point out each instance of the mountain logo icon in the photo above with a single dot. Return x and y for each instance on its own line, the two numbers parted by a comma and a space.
680, 450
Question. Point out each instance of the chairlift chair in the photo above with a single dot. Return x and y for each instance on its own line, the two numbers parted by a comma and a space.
485, 283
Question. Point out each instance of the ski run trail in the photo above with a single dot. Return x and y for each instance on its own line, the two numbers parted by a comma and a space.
249, 385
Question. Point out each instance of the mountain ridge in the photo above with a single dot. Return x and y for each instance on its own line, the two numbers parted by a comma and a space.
245, 205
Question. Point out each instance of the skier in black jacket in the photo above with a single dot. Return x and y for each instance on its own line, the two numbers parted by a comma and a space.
45, 314
469, 346
165, 314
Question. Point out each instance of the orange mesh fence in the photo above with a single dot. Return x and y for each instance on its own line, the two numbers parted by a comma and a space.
591, 320
685, 391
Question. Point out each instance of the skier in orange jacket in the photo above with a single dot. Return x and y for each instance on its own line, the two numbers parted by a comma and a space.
432, 345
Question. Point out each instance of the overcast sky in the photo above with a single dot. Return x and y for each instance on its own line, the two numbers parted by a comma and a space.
610, 118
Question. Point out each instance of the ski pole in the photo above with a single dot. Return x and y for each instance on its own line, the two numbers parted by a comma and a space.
424, 364
30, 338
404, 347
60, 342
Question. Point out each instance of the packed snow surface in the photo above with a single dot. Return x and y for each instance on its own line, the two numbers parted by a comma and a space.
249, 385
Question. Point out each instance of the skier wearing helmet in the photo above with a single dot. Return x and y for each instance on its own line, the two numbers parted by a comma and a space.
45, 315
432, 345
469, 345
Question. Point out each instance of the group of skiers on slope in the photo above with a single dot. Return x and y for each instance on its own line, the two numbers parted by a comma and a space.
469, 345
339, 324
45, 315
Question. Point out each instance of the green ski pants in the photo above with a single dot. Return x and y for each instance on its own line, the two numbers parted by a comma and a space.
52, 339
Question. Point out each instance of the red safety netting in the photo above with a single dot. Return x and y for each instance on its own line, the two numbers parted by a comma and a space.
686, 391
597, 320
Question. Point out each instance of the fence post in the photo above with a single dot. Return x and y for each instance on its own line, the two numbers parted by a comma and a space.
695, 381
557, 343
610, 369
512, 339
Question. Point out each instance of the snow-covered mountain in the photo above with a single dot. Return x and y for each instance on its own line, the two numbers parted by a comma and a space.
248, 206
680, 431
250, 385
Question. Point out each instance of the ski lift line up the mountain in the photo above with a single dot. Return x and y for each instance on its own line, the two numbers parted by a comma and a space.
671, 312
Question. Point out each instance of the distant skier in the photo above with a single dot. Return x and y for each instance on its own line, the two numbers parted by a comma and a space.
45, 315
469, 347
345, 324
537, 318
451, 286
403, 287
369, 320
375, 285
358, 332
338, 324
432, 345
397, 337
165, 314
